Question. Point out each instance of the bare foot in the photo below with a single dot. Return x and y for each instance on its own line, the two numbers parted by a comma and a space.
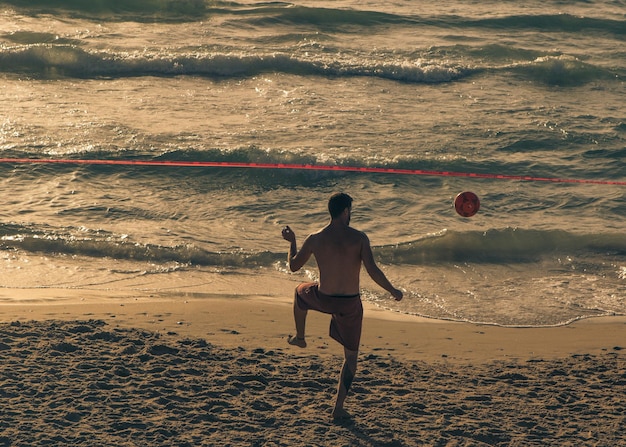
341, 414
296, 341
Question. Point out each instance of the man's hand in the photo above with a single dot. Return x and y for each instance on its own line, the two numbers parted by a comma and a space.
288, 234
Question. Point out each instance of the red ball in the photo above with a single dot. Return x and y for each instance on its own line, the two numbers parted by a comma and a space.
466, 204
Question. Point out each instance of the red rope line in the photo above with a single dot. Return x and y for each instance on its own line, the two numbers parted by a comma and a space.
308, 167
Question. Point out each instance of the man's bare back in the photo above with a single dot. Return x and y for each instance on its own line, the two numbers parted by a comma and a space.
337, 250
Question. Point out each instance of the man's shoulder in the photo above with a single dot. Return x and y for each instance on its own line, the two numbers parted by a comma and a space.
315, 237
317, 234
357, 233
329, 234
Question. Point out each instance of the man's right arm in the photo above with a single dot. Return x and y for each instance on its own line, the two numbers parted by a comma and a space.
296, 259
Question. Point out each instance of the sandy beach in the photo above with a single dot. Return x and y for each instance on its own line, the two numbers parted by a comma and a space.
90, 370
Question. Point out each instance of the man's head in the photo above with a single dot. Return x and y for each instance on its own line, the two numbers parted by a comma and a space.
338, 203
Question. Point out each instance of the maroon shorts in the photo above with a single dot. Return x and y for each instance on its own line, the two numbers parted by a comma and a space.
346, 311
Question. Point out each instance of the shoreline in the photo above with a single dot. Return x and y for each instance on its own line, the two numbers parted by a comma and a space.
251, 322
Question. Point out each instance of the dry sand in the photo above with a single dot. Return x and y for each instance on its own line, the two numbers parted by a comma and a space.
168, 370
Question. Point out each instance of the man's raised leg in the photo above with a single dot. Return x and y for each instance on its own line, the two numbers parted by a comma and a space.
299, 317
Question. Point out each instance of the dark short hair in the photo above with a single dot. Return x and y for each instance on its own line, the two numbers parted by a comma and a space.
338, 202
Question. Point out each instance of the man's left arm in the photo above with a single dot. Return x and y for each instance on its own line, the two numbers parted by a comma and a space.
375, 272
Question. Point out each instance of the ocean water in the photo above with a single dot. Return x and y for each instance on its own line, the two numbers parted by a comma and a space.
494, 88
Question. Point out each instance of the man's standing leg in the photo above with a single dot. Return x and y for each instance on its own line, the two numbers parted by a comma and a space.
348, 371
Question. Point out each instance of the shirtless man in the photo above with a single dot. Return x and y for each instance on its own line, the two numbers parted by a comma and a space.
339, 251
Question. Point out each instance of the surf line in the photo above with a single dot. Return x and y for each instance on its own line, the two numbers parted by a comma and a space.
306, 167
